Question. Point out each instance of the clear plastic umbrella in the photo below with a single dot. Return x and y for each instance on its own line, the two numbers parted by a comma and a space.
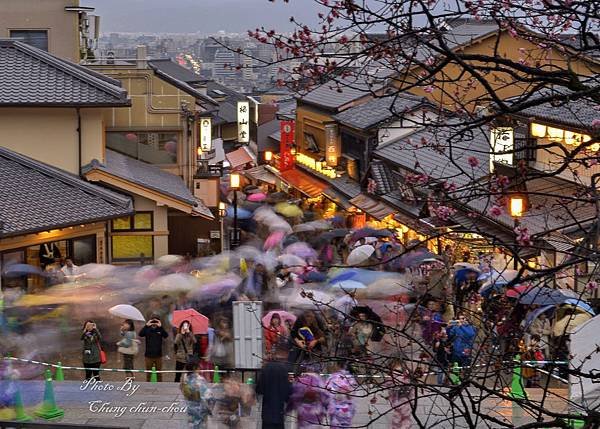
360, 254
179, 282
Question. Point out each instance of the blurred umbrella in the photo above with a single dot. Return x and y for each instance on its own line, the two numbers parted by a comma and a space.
288, 260
314, 277
386, 288
277, 197
288, 210
168, 260
284, 315
580, 304
146, 274
175, 282
126, 311
217, 288
370, 240
308, 298
242, 213
349, 285
279, 224
198, 321
462, 275
97, 271
466, 265
17, 270
360, 254
414, 258
263, 214
360, 275
251, 188
304, 227
302, 249
496, 281
370, 232
344, 304
250, 206
330, 235
257, 198
290, 239
248, 252
517, 291
320, 225
273, 240
532, 315
542, 295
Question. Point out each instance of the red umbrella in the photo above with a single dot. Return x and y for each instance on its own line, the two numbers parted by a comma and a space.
198, 321
517, 291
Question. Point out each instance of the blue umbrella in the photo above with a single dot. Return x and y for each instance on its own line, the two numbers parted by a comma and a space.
361, 275
536, 313
17, 270
314, 277
581, 304
242, 213
545, 296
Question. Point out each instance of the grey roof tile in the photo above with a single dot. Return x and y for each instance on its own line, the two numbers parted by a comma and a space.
335, 94
443, 157
383, 177
346, 186
379, 110
32, 77
175, 70
144, 174
38, 197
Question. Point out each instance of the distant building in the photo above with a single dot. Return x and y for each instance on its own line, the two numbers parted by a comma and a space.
224, 65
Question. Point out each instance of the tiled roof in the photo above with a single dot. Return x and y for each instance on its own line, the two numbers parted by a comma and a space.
38, 197
184, 86
170, 67
379, 110
239, 157
264, 132
32, 77
333, 95
346, 186
143, 174
578, 114
383, 177
440, 154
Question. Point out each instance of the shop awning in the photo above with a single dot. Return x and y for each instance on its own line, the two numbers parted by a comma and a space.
306, 184
337, 198
260, 173
372, 207
239, 157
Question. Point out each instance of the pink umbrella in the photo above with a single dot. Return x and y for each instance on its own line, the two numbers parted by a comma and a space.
257, 198
517, 291
198, 321
273, 240
284, 315
302, 249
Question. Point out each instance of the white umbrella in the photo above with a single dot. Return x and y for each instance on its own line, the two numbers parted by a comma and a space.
320, 225
360, 254
168, 260
386, 287
96, 271
467, 265
309, 298
126, 311
349, 285
175, 282
264, 213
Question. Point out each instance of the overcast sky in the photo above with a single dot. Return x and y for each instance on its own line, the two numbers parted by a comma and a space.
205, 16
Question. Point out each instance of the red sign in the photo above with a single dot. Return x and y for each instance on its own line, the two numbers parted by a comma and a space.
285, 148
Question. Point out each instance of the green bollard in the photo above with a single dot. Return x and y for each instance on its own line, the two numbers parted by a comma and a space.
516, 386
216, 375
20, 414
575, 423
250, 381
454, 374
49, 410
59, 375
153, 375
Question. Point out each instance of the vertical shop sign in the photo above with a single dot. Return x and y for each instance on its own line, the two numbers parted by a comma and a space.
332, 145
285, 148
243, 119
206, 135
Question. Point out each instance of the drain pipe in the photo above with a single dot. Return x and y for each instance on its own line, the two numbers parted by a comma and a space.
79, 141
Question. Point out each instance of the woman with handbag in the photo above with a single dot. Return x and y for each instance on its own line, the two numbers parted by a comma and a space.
93, 355
184, 349
128, 346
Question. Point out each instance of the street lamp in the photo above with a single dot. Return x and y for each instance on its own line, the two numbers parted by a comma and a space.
268, 156
222, 209
517, 204
234, 185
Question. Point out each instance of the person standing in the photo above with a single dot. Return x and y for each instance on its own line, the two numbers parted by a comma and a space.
91, 350
275, 387
462, 336
184, 348
128, 346
221, 352
154, 334
199, 398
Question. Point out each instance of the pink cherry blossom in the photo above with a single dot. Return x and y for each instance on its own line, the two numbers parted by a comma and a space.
473, 162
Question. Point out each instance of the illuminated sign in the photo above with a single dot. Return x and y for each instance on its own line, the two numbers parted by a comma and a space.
503, 146
243, 120
332, 145
206, 135
286, 159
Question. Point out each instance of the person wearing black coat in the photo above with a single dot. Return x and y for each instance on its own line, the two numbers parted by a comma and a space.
154, 334
274, 386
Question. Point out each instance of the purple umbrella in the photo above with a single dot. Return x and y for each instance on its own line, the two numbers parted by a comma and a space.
17, 270
370, 232
302, 249
216, 289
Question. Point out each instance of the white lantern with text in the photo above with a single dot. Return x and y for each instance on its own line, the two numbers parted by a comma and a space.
243, 120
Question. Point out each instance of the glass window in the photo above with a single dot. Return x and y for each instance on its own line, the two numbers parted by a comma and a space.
35, 38
132, 247
141, 221
150, 147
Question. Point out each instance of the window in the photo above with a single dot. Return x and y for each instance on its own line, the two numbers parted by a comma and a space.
141, 221
132, 247
150, 147
35, 38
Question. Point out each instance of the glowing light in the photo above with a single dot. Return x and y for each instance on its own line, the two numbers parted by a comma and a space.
235, 181
538, 130
517, 205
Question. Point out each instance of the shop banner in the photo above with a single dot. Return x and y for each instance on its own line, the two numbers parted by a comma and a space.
285, 148
243, 119
206, 135
332, 145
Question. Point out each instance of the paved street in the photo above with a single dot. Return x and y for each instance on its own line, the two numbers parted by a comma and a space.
161, 406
